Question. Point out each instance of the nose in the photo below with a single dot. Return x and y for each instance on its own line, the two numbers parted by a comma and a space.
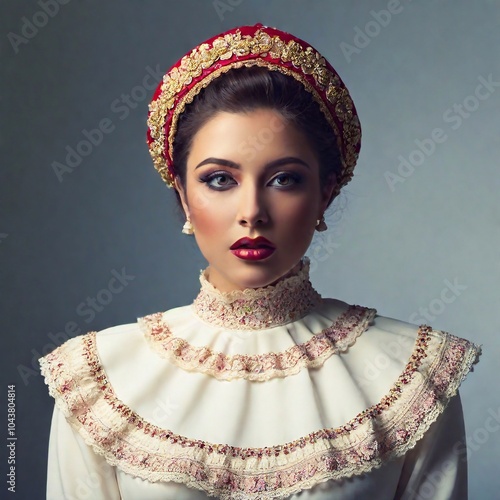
252, 210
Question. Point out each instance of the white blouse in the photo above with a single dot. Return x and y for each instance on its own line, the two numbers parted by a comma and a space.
259, 394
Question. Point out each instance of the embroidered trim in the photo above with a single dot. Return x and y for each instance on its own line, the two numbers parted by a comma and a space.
313, 353
290, 299
234, 50
386, 430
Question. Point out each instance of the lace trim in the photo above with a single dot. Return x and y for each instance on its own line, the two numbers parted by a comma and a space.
233, 50
257, 308
313, 353
386, 430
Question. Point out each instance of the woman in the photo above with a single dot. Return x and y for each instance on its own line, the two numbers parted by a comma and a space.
260, 388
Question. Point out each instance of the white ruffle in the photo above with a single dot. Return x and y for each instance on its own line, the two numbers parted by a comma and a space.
295, 431
186, 340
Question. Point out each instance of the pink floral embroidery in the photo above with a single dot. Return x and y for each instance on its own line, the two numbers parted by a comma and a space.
289, 300
154, 454
313, 353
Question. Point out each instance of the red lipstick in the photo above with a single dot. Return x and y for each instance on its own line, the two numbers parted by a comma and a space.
252, 249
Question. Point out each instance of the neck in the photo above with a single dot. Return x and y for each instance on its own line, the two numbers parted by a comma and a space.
223, 286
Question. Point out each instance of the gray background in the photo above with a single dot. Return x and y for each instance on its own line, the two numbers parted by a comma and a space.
395, 250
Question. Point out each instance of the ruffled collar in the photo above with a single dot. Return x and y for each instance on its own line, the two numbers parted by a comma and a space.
290, 299
383, 431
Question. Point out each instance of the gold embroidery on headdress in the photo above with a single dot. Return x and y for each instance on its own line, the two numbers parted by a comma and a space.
261, 44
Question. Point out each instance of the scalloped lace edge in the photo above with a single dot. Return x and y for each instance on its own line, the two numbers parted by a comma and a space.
79, 386
258, 367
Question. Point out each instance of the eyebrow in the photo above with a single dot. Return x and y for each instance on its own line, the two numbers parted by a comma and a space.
275, 163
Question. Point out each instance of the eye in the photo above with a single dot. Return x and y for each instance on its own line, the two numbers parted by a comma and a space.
286, 179
218, 180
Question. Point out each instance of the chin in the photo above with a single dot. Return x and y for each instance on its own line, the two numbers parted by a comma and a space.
240, 274
259, 275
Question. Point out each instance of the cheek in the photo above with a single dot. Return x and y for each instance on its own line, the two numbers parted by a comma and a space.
295, 226
210, 220
203, 207
208, 231
299, 212
205, 222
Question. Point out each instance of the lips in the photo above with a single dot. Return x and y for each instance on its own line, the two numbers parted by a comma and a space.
259, 242
248, 249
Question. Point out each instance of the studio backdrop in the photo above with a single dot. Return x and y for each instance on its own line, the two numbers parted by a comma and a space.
90, 237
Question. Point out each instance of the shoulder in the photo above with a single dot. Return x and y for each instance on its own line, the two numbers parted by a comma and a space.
70, 367
426, 339
72, 345
415, 356
117, 333
385, 328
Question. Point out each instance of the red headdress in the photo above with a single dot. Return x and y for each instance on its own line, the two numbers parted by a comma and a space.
249, 46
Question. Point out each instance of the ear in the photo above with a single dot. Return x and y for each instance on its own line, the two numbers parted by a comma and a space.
327, 192
182, 194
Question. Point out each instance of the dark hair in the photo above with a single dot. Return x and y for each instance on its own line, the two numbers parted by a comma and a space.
246, 89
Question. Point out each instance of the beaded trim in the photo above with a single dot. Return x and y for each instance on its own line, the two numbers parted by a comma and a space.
311, 354
384, 431
210, 60
290, 299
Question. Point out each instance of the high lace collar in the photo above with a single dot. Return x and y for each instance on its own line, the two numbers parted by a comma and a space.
290, 299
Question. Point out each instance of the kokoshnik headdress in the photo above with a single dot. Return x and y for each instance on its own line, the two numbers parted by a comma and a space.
251, 46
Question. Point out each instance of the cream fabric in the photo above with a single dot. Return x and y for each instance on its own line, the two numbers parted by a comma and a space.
430, 471
248, 413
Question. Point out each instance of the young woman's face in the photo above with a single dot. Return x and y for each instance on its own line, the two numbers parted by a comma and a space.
252, 175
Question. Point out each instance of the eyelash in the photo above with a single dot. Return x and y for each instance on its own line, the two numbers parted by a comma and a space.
207, 179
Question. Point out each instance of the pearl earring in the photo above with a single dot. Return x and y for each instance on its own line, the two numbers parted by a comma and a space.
321, 224
188, 227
